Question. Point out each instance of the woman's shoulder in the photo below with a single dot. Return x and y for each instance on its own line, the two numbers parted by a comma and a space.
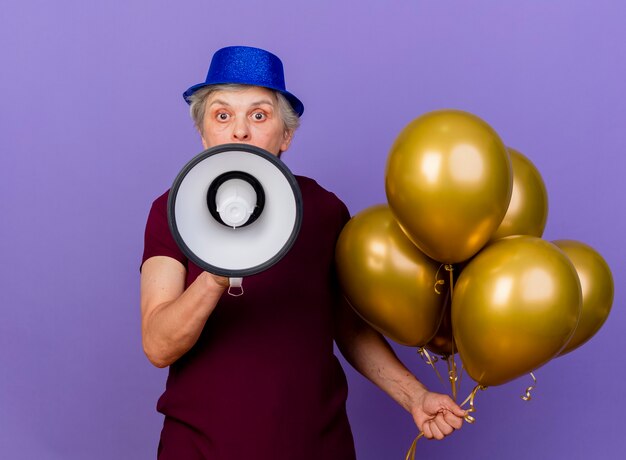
324, 201
310, 188
160, 202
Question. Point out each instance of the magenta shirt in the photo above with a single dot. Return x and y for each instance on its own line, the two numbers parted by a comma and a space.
262, 381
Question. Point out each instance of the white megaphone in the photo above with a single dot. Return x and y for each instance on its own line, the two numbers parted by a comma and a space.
235, 210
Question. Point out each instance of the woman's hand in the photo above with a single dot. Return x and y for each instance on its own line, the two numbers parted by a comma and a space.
436, 415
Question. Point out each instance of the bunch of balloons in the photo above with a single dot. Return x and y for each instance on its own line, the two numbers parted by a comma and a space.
459, 198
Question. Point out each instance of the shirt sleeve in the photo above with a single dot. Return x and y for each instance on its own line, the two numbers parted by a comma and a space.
158, 240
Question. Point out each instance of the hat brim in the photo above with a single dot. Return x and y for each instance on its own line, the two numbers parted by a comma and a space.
295, 103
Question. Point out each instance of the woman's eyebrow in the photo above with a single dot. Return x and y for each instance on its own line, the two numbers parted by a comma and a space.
253, 104
218, 102
261, 102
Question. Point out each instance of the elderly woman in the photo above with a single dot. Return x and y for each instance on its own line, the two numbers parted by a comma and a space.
255, 376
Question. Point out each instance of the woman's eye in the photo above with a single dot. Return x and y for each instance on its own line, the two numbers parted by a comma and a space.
258, 116
222, 116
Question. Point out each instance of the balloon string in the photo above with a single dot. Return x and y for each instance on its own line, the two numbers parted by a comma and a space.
430, 360
450, 268
410, 455
453, 376
527, 396
470, 400
438, 282
452, 372
452, 369
426, 356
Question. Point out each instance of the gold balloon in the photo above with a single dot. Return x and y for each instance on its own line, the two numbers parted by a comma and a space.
387, 280
514, 307
448, 183
596, 282
528, 208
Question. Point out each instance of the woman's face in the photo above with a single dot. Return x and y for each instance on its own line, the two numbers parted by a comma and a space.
249, 116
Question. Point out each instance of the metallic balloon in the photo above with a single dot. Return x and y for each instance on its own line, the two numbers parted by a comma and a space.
596, 282
514, 307
528, 208
448, 183
387, 280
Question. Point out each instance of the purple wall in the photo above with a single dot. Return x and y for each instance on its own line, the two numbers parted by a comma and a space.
93, 127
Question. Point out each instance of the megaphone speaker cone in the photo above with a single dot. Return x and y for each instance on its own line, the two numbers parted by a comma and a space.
235, 198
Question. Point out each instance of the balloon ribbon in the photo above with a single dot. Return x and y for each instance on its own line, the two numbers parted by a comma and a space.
526, 396
430, 360
452, 374
410, 455
439, 282
470, 399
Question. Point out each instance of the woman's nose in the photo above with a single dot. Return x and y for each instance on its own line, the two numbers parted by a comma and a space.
241, 131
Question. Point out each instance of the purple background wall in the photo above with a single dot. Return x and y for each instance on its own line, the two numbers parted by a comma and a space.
93, 127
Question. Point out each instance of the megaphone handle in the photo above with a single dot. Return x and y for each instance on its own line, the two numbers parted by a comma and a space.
235, 289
